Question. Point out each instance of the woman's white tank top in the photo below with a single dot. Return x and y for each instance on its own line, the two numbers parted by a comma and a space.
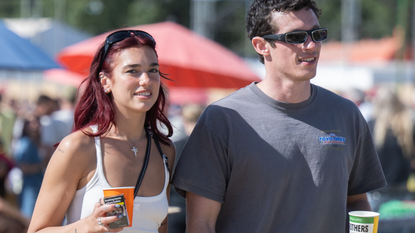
149, 212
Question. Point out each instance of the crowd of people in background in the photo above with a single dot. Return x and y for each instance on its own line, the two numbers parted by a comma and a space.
29, 131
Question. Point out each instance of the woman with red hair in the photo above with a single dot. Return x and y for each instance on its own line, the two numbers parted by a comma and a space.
115, 142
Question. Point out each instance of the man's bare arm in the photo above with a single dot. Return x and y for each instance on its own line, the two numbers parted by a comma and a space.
201, 213
356, 202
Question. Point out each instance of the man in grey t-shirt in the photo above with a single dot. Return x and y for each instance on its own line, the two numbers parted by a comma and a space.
281, 155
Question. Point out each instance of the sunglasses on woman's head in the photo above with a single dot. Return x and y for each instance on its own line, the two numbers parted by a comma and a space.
122, 35
299, 37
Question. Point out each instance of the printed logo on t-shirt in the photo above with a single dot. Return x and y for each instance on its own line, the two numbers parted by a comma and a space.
331, 139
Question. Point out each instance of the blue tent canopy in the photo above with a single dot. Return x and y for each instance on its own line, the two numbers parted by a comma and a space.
17, 53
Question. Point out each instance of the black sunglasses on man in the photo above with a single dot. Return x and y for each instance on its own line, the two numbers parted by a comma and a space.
299, 37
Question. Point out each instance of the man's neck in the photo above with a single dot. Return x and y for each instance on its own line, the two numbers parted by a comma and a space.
286, 90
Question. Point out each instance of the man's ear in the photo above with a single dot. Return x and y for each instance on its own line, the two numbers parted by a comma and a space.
260, 45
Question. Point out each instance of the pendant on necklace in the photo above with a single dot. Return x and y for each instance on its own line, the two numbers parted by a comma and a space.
135, 151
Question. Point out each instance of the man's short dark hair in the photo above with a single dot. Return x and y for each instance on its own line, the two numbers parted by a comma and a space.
259, 17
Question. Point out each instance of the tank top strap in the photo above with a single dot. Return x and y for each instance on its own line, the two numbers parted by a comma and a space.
166, 173
166, 164
98, 150
163, 156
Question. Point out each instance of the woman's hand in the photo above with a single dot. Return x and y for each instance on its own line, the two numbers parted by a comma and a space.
98, 222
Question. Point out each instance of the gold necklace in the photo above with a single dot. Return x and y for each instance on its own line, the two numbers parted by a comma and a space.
134, 150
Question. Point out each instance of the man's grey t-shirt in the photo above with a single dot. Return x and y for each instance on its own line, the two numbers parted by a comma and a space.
279, 167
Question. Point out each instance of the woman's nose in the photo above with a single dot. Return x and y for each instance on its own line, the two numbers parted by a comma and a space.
144, 79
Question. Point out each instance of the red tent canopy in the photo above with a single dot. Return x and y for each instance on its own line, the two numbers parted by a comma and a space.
64, 77
189, 59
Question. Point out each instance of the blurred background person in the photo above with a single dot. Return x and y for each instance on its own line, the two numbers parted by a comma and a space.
15, 177
359, 98
5, 166
52, 130
177, 218
392, 127
27, 158
190, 114
7, 119
174, 112
65, 113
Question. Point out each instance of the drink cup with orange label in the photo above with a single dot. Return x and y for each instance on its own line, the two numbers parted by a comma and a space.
128, 193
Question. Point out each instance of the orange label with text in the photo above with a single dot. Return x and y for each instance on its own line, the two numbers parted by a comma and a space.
129, 198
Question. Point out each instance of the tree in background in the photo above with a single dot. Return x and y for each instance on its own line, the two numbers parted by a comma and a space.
378, 17
117, 14
99, 16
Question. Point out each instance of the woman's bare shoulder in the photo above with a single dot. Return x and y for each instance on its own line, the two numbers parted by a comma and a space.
74, 156
76, 145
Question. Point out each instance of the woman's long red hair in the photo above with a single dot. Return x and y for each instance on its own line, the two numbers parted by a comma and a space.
95, 107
